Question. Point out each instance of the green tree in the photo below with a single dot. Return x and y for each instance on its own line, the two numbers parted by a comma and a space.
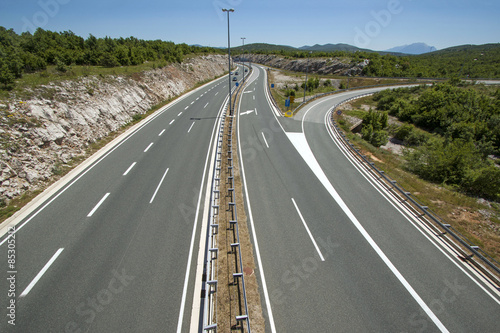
6, 77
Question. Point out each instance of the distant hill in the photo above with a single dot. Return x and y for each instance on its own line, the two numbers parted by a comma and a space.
264, 47
333, 48
469, 48
415, 48
272, 48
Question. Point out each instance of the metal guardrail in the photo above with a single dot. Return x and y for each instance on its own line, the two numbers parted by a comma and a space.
235, 246
485, 264
354, 88
210, 276
209, 283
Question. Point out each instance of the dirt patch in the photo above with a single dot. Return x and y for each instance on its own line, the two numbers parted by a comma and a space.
373, 157
394, 146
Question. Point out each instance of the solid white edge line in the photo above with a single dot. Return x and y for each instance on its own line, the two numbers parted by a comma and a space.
98, 205
189, 130
329, 187
83, 169
129, 168
194, 314
409, 216
40, 274
252, 225
146, 150
158, 187
308, 231
265, 141
161, 133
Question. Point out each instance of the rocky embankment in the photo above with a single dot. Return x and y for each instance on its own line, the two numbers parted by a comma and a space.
320, 66
39, 135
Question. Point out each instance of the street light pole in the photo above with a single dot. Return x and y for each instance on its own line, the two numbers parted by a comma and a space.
243, 50
229, 56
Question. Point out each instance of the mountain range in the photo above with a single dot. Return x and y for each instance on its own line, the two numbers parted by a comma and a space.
413, 49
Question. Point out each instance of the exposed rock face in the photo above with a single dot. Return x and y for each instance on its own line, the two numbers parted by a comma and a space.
316, 65
39, 134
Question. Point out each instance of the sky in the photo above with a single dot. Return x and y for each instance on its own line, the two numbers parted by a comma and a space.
373, 24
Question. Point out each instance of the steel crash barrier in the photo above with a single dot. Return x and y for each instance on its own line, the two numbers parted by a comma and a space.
482, 262
210, 276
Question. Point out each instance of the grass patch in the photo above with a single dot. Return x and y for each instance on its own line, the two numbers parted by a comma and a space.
25, 85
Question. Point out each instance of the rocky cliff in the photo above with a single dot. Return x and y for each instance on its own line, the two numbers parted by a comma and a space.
320, 66
44, 132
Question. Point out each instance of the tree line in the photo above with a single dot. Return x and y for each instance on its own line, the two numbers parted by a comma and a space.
452, 130
28, 53
465, 62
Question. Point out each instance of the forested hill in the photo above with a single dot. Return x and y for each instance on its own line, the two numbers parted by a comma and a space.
27, 53
466, 61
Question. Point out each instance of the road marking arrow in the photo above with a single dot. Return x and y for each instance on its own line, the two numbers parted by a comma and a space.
248, 112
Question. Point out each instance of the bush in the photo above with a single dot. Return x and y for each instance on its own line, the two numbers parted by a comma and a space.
484, 182
403, 132
379, 138
108, 60
61, 66
7, 79
137, 117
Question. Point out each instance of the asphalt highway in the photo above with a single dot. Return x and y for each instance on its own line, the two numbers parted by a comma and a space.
114, 250
115, 247
335, 253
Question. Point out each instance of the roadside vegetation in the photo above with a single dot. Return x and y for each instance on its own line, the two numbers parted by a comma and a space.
45, 56
461, 138
465, 62
449, 136
287, 83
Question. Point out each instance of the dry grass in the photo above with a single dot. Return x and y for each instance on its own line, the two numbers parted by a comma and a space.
476, 219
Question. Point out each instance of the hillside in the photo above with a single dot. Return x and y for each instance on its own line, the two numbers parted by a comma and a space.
466, 61
32, 53
337, 66
43, 135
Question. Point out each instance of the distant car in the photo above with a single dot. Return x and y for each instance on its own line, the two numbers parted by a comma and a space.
236, 73
246, 70
235, 78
